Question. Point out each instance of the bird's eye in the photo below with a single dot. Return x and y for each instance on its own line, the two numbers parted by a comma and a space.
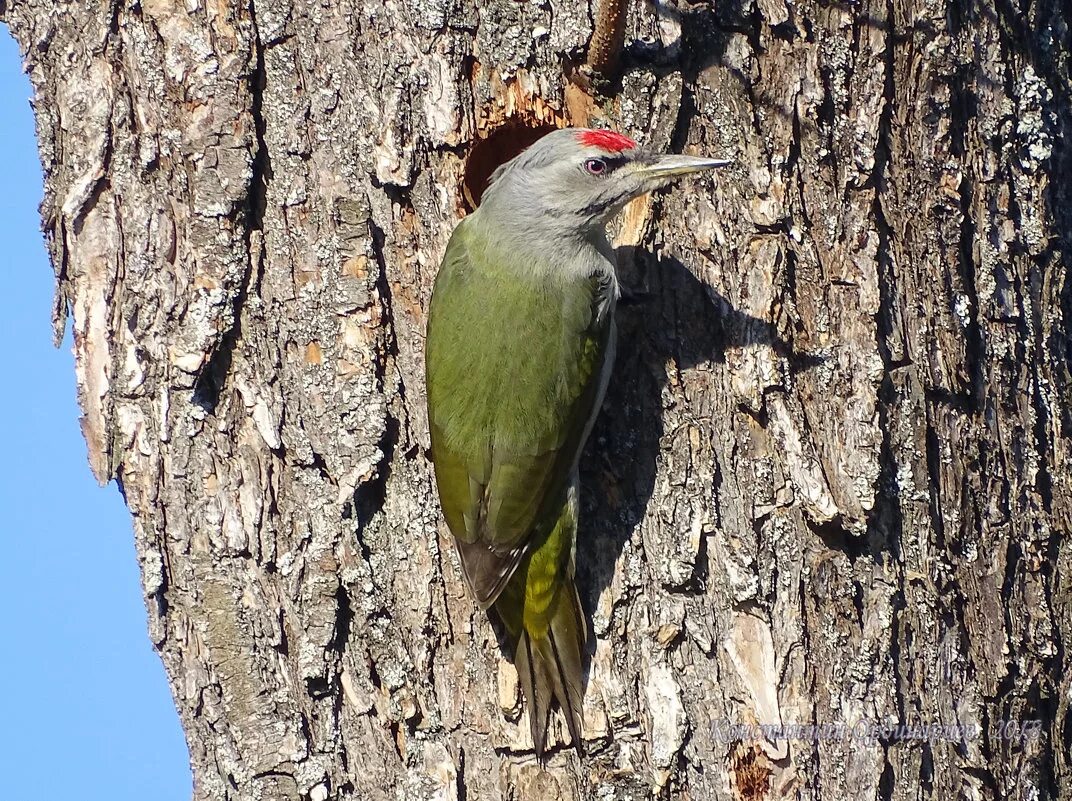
595, 166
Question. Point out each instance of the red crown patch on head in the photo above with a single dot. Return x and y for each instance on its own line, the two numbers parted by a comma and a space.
611, 141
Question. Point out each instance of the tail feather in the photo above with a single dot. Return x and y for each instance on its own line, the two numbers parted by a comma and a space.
551, 668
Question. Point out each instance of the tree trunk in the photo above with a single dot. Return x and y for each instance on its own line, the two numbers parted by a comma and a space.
831, 483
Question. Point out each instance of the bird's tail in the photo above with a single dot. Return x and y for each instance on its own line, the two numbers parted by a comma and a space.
541, 611
550, 666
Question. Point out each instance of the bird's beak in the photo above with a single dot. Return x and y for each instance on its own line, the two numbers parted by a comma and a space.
674, 166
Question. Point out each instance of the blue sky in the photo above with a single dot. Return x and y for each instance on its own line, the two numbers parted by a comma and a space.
85, 706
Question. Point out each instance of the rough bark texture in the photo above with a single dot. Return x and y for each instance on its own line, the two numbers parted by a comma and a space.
832, 480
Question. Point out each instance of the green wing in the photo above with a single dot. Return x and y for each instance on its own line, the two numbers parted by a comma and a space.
514, 366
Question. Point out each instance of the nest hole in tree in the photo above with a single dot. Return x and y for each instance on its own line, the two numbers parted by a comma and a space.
492, 151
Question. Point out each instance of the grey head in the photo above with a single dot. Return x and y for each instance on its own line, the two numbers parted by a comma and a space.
576, 179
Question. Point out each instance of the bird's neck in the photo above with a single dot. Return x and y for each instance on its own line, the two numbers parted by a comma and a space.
545, 245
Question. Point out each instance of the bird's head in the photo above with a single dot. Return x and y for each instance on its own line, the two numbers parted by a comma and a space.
580, 177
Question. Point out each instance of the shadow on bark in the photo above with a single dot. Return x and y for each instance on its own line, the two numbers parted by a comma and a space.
676, 323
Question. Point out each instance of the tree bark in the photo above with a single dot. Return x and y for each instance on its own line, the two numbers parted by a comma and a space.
831, 482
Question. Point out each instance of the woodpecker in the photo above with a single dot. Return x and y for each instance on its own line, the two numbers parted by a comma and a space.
520, 343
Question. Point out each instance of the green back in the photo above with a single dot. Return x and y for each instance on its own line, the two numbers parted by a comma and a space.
514, 362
